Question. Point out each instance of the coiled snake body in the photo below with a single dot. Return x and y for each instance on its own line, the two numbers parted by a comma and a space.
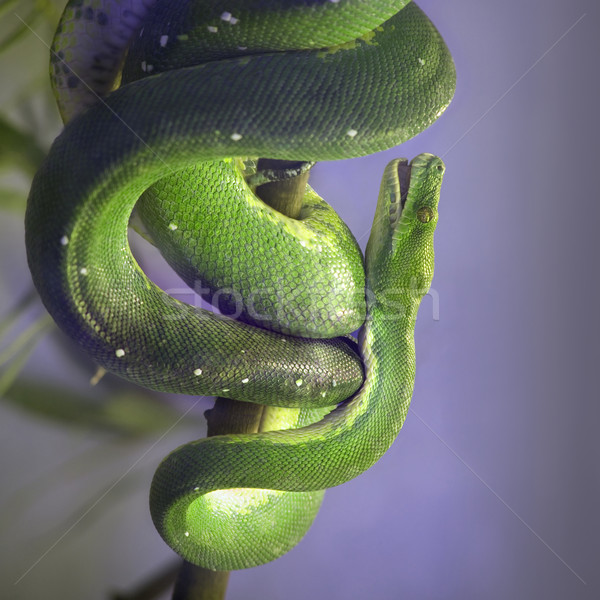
206, 86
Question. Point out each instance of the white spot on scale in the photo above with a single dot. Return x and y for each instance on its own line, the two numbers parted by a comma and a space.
298, 382
187, 534
198, 372
243, 351
163, 40
172, 226
303, 243
334, 383
334, 1
236, 136
144, 66
196, 489
226, 16
421, 61
242, 47
323, 394
212, 29
225, 390
233, 20
351, 132
64, 240
83, 271
120, 353
149, 68
246, 380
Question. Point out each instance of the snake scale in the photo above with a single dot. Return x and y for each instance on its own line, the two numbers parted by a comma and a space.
174, 102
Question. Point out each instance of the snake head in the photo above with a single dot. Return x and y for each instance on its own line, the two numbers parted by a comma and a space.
399, 254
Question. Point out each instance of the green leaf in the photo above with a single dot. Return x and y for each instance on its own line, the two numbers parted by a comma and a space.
18, 148
129, 413
13, 200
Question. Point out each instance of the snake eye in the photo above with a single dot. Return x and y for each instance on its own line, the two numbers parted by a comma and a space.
425, 214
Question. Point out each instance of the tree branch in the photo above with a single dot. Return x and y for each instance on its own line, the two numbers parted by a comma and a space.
232, 416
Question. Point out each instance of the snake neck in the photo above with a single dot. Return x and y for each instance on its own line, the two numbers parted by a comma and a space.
386, 346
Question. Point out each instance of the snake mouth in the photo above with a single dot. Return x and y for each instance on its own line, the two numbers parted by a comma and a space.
404, 169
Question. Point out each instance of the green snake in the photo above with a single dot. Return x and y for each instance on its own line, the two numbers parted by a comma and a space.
174, 102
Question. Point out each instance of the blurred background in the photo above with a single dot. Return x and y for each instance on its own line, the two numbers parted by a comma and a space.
492, 489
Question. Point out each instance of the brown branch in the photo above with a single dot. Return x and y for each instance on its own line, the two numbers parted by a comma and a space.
232, 416
197, 583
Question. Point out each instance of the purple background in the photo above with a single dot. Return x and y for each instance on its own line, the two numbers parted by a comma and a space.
492, 489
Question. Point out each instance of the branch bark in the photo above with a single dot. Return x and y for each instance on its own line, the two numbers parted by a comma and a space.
232, 416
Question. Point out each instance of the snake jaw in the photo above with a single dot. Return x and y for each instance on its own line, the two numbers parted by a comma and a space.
404, 172
406, 212
419, 182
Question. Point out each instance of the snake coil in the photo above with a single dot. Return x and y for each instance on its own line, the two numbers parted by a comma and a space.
174, 102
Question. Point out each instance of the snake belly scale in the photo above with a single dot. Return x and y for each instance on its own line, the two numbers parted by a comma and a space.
181, 134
